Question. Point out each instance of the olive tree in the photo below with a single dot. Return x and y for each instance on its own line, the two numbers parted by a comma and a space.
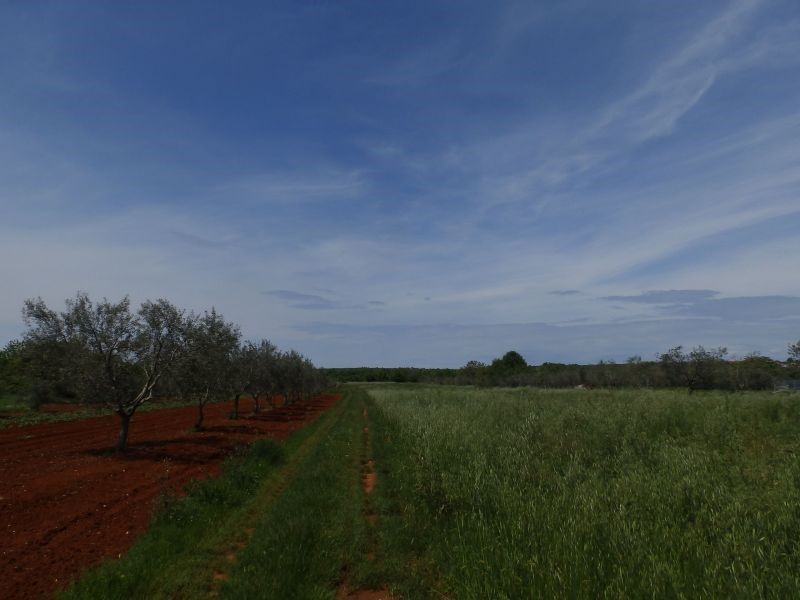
110, 354
263, 381
295, 376
244, 366
206, 369
293, 367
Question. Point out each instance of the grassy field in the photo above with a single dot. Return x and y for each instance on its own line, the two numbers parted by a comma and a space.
534, 494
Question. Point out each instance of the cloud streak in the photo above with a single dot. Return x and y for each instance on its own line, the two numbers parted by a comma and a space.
704, 303
666, 297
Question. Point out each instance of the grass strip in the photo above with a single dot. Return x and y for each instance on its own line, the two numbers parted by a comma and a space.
399, 562
303, 547
182, 549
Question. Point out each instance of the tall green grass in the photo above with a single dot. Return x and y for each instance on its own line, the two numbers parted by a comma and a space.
530, 493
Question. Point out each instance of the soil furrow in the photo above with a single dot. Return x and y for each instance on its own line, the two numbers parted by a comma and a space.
66, 502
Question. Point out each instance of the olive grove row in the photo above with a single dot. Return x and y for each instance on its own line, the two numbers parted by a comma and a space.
105, 353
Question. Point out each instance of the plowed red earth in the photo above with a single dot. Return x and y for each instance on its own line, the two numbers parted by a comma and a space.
67, 502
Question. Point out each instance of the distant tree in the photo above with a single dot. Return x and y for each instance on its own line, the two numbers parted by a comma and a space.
794, 351
473, 365
607, 373
699, 369
471, 373
705, 367
110, 354
513, 361
635, 372
507, 370
753, 372
674, 363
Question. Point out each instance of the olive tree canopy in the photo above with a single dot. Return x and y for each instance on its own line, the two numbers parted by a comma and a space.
206, 370
113, 356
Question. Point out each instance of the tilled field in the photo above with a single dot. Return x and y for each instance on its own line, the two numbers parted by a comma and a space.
66, 502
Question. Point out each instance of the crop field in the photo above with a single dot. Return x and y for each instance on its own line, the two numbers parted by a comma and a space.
409, 491
539, 494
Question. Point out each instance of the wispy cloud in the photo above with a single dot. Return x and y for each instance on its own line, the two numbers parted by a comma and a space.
289, 186
678, 83
749, 308
199, 241
315, 302
651, 109
706, 304
666, 296
304, 301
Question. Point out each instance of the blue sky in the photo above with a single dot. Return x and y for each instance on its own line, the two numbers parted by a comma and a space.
401, 183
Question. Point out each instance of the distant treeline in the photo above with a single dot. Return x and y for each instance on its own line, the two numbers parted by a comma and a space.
696, 369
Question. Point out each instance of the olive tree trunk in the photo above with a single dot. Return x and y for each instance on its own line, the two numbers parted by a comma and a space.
125, 423
235, 414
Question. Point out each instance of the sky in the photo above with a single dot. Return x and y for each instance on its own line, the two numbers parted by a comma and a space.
412, 183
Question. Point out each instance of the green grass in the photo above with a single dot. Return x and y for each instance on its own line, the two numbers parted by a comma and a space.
289, 514
531, 493
12, 401
304, 546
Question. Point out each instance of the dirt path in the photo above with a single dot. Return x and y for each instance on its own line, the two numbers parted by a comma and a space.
369, 478
66, 502
228, 551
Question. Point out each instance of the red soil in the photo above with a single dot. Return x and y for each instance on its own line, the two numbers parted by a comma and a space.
369, 478
67, 503
10, 414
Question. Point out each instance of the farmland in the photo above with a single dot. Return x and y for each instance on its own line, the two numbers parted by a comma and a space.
526, 493
400, 300
67, 502
411, 491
